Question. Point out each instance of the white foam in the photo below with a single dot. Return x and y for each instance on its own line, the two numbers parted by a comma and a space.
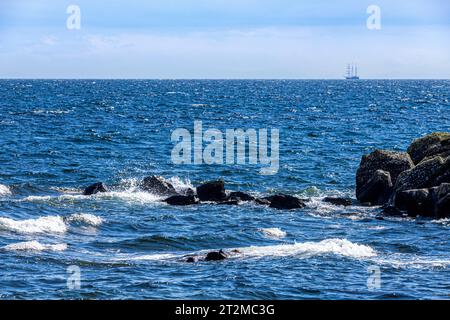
50, 224
341, 247
181, 185
63, 197
406, 261
139, 197
334, 246
275, 233
129, 196
86, 218
35, 246
4, 190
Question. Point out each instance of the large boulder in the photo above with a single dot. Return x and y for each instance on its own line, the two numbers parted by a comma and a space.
377, 190
390, 162
441, 197
212, 191
157, 185
415, 202
241, 196
95, 188
181, 200
437, 143
338, 201
283, 201
427, 202
426, 174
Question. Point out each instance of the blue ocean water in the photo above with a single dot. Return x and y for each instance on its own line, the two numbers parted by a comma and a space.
58, 136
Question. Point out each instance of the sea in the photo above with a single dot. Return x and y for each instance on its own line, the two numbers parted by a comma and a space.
59, 136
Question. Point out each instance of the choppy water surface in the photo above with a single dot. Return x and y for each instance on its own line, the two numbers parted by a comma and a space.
59, 136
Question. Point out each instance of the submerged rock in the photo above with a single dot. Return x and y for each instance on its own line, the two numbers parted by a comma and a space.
437, 143
377, 190
95, 188
181, 200
262, 201
283, 201
216, 256
242, 196
228, 202
393, 163
157, 185
212, 191
191, 259
339, 201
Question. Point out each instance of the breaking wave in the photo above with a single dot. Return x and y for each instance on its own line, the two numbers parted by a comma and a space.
48, 225
86, 218
35, 246
340, 247
4, 190
275, 233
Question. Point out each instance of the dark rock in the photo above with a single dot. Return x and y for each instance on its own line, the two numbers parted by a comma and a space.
391, 211
424, 175
191, 259
180, 200
415, 202
212, 191
377, 190
157, 185
216, 255
229, 202
262, 201
437, 143
391, 162
95, 188
441, 197
282, 201
338, 201
242, 196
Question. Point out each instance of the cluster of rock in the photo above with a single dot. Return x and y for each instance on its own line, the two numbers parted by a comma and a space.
416, 182
210, 192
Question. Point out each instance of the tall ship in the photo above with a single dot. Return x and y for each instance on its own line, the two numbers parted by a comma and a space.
352, 72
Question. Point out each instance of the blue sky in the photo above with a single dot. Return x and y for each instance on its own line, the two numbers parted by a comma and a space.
224, 39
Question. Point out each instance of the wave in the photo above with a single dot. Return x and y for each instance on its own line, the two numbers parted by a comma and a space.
4, 190
85, 218
128, 196
341, 247
35, 246
49, 224
274, 233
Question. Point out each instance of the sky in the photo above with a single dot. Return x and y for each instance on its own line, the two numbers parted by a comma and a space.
250, 39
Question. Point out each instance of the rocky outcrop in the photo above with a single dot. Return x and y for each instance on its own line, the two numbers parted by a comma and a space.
425, 175
95, 188
181, 200
283, 201
415, 202
421, 188
377, 190
390, 162
437, 143
338, 201
241, 196
212, 191
157, 185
